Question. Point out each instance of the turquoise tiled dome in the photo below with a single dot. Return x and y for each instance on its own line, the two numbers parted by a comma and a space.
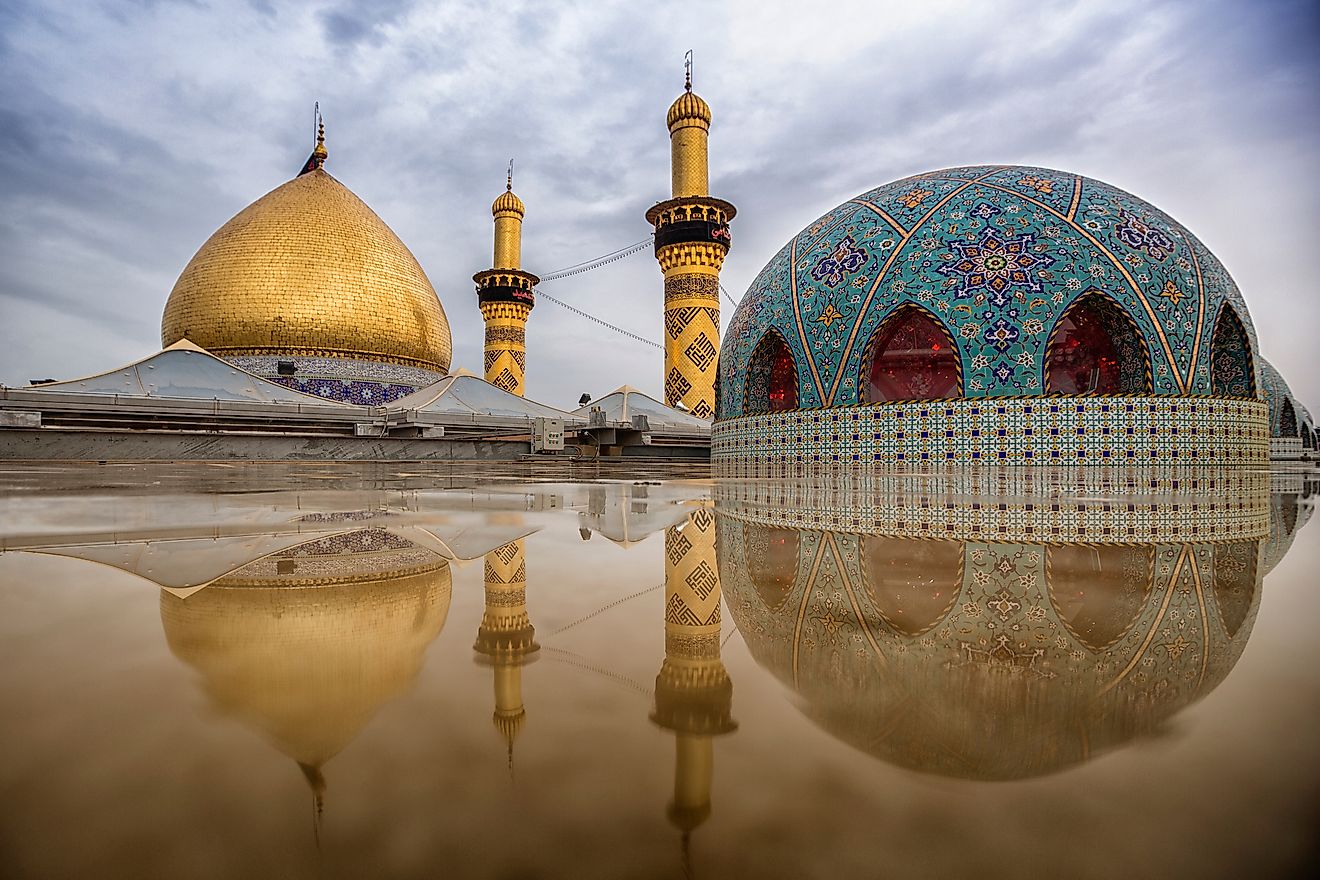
1286, 412
997, 255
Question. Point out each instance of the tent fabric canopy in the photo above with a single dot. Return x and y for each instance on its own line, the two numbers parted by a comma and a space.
625, 402
185, 371
466, 394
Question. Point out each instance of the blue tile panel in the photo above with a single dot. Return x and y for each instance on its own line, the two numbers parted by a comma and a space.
367, 383
1038, 431
996, 253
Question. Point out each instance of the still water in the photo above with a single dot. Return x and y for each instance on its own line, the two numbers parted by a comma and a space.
316, 671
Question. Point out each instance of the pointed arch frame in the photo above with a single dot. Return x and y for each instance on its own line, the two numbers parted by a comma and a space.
867, 548
1288, 413
1227, 309
1148, 377
747, 408
869, 352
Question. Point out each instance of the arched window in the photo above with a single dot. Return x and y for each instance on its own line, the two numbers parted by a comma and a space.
1231, 372
1235, 582
911, 356
1287, 420
1099, 590
1095, 349
772, 562
772, 378
913, 582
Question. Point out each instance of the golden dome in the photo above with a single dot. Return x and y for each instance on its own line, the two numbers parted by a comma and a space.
508, 203
689, 109
309, 269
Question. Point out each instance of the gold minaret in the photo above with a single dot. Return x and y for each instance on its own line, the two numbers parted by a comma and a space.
506, 296
506, 639
693, 693
691, 239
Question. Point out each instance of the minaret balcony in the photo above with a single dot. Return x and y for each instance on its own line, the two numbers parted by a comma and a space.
506, 285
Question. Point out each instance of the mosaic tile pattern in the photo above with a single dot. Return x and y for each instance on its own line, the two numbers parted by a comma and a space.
361, 555
1008, 678
996, 254
1140, 431
369, 383
1093, 505
1287, 516
1288, 417
692, 326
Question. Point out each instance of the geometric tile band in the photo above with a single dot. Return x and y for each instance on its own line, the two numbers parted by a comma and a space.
1053, 431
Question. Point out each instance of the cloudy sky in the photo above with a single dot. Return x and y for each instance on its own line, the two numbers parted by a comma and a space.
130, 131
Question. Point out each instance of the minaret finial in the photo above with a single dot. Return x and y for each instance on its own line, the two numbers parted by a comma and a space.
687, 70
508, 186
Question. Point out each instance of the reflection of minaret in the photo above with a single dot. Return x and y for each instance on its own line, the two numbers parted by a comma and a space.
505, 294
691, 240
693, 694
507, 639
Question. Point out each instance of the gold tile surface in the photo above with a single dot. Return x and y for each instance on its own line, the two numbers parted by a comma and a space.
309, 267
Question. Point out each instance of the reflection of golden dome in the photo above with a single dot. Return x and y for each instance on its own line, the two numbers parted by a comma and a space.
309, 269
508, 203
309, 666
688, 109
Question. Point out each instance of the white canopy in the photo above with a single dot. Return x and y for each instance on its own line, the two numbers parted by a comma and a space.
185, 371
466, 394
624, 403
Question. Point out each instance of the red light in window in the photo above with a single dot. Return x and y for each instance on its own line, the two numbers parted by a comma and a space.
911, 360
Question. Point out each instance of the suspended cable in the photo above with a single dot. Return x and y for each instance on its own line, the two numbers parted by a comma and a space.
587, 266
726, 296
577, 661
570, 268
630, 335
605, 608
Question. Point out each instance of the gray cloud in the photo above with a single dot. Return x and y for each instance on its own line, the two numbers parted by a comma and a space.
128, 133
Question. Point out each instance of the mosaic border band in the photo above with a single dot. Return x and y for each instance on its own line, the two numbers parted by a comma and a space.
1052, 431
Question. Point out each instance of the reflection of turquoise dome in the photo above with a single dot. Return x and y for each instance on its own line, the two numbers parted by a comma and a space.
986, 659
998, 256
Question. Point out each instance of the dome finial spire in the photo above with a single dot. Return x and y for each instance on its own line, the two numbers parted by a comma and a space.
508, 185
320, 153
687, 71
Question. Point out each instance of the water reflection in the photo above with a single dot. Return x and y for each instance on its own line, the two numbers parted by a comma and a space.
506, 639
693, 693
974, 637
988, 659
305, 645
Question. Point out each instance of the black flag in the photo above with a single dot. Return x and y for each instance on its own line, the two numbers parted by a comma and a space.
317, 158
